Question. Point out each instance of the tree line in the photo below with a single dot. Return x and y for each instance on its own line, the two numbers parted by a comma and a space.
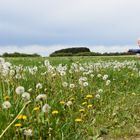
16, 54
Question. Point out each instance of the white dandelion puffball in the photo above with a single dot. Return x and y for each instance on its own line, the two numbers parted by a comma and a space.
72, 86
20, 90
26, 96
97, 96
85, 84
28, 132
69, 103
6, 105
65, 84
100, 90
39, 86
108, 82
46, 108
41, 97
105, 77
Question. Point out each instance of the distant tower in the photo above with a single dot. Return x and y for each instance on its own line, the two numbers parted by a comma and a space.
138, 42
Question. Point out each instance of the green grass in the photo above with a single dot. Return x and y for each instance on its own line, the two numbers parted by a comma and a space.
109, 111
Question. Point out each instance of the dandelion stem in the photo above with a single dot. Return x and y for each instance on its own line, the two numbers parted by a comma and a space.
14, 119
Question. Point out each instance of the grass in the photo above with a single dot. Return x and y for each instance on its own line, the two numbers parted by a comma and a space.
89, 98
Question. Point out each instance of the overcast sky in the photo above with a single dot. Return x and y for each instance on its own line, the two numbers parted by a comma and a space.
43, 26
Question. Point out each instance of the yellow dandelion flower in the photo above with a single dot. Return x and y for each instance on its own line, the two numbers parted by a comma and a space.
36, 108
84, 103
20, 117
18, 125
90, 105
54, 112
89, 96
7, 97
81, 110
62, 102
78, 120
24, 117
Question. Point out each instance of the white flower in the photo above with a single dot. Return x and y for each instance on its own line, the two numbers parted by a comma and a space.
65, 84
12, 72
69, 103
6, 105
46, 63
39, 86
28, 132
72, 85
46, 108
26, 96
41, 97
105, 77
97, 96
20, 90
85, 84
92, 75
108, 82
99, 75
100, 91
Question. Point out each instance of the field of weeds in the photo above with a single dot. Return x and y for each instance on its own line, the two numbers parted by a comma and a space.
69, 98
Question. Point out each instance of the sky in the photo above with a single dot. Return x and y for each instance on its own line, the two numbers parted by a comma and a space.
43, 26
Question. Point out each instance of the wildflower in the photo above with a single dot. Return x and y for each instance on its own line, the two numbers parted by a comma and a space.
41, 97
84, 103
54, 112
7, 97
39, 86
26, 96
72, 86
97, 96
99, 75
78, 120
108, 82
81, 110
100, 91
90, 105
28, 132
6, 105
46, 108
36, 108
85, 84
62, 102
105, 77
64, 84
89, 96
18, 125
22, 117
20, 90
69, 103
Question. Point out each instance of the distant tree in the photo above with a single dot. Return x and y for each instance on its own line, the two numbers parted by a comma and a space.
70, 51
16, 54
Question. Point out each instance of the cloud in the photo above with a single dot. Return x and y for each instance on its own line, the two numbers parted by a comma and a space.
46, 50
50, 22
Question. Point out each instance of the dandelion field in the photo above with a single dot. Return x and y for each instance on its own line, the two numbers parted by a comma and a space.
69, 98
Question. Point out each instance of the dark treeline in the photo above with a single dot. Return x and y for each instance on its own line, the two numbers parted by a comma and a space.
71, 50
16, 54
83, 51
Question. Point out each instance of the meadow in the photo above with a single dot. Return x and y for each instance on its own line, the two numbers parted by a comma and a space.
70, 98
